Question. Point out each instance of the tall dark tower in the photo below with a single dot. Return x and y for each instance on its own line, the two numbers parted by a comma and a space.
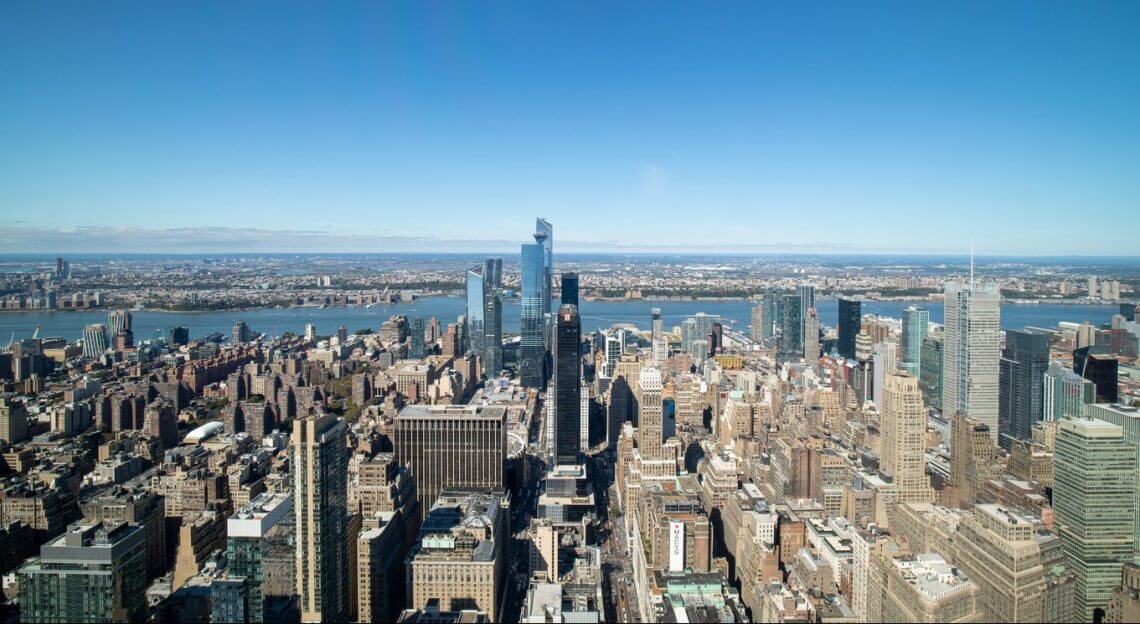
567, 384
570, 289
850, 320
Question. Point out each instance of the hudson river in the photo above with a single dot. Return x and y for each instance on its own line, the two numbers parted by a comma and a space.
595, 314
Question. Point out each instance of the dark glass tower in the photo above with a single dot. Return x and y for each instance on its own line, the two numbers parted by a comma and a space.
532, 347
791, 340
567, 383
570, 289
850, 321
1021, 383
417, 348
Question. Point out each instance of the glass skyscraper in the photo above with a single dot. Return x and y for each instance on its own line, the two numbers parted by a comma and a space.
485, 314
416, 340
971, 351
532, 347
569, 289
544, 236
850, 322
1024, 362
790, 345
567, 385
915, 327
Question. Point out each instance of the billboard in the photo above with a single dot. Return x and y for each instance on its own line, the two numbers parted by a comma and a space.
676, 546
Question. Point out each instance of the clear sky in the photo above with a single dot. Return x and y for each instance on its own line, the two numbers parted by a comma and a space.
849, 126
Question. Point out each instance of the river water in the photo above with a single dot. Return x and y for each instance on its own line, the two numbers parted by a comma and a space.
595, 314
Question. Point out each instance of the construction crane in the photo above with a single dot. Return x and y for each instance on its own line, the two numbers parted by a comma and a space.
36, 334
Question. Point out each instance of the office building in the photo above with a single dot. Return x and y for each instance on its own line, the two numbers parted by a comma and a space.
569, 289
451, 446
650, 424
757, 322
768, 306
460, 561
13, 419
997, 549
94, 340
790, 342
919, 588
532, 322
971, 351
252, 535
930, 372
485, 314
973, 456
381, 547
178, 336
567, 385
1021, 383
850, 323
544, 236
90, 574
320, 499
915, 328
903, 424
811, 336
1125, 603
1102, 369
241, 333
1094, 500
1065, 393
119, 320
806, 293
416, 348
310, 332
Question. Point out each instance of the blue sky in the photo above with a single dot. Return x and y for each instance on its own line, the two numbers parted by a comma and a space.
644, 125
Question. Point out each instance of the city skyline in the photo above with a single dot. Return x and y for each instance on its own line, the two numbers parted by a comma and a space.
665, 129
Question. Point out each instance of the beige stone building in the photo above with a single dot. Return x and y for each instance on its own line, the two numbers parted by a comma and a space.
997, 550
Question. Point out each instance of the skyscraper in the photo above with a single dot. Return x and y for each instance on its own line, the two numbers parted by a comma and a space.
658, 342
650, 425
320, 499
1065, 393
544, 236
178, 336
811, 336
567, 385
251, 534
91, 573
768, 302
1102, 369
416, 339
791, 339
806, 293
1094, 499
1021, 377
971, 351
903, 425
446, 446
240, 333
915, 327
485, 314
119, 320
850, 321
930, 371
532, 322
569, 289
94, 340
